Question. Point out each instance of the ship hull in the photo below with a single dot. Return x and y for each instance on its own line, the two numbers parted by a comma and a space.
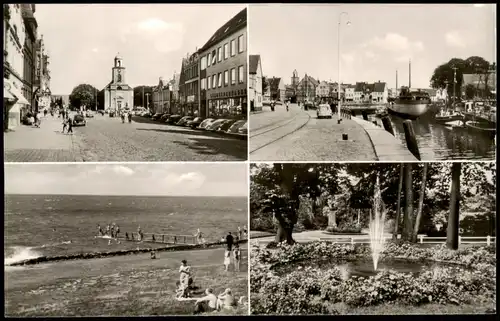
408, 110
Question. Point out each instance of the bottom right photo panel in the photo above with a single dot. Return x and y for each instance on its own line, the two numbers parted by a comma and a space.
373, 238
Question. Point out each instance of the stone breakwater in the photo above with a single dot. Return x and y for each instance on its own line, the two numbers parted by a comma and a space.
95, 255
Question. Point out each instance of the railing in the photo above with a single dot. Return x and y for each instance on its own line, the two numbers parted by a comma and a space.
161, 238
422, 239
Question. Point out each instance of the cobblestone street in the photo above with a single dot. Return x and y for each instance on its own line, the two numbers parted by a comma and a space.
108, 139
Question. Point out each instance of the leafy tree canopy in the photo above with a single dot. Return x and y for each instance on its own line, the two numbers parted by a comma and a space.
83, 95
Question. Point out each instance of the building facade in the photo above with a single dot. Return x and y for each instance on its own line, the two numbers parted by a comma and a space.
349, 93
189, 86
118, 95
173, 86
15, 102
161, 97
223, 70
29, 52
42, 77
255, 83
323, 90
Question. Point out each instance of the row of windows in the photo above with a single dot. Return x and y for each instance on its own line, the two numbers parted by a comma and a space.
226, 107
222, 53
191, 72
226, 78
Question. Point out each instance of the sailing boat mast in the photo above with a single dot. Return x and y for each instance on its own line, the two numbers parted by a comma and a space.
396, 80
409, 75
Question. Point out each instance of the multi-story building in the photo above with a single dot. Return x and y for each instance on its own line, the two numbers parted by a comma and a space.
323, 90
371, 93
161, 97
380, 93
189, 90
223, 70
29, 51
15, 102
173, 86
255, 83
349, 93
289, 93
277, 87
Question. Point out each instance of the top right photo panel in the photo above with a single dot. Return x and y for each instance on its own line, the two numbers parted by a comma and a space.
372, 82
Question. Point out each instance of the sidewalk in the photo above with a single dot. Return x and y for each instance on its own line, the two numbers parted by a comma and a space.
267, 118
44, 144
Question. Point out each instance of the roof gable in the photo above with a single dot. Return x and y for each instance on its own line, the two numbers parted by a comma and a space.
236, 23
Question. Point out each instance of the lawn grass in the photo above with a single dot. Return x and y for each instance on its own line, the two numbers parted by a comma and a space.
132, 285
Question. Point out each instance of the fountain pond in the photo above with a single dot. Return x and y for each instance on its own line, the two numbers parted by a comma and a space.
361, 267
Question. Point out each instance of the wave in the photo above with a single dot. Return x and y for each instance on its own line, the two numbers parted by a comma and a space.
21, 253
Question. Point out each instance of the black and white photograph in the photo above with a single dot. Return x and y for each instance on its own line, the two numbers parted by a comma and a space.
373, 238
125, 82
126, 239
372, 82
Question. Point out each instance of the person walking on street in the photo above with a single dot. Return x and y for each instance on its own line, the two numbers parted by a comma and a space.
45, 113
70, 125
65, 124
129, 117
286, 105
122, 115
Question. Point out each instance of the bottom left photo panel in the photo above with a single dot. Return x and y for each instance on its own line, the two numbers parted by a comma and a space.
126, 239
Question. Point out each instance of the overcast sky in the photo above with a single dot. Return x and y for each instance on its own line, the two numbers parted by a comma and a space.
380, 39
179, 179
83, 39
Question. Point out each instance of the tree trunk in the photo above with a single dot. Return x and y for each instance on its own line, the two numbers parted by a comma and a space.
407, 219
285, 226
420, 205
454, 217
398, 207
284, 233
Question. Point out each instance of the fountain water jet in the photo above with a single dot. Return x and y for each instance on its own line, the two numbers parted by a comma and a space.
377, 223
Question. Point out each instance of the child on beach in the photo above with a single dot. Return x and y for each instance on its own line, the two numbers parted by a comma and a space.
227, 260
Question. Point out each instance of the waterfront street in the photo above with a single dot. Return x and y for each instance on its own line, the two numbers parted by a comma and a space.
108, 139
299, 136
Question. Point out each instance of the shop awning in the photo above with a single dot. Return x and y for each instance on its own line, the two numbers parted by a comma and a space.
10, 92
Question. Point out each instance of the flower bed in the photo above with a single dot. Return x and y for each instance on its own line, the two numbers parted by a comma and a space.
311, 290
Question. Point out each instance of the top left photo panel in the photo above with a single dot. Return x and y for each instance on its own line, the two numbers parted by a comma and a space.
125, 82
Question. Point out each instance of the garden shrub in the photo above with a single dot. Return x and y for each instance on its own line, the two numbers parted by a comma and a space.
345, 228
310, 290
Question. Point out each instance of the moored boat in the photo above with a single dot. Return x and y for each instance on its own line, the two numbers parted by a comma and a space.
481, 128
410, 104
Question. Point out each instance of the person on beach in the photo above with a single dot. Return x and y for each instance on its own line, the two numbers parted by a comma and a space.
208, 303
245, 233
139, 234
99, 229
117, 231
226, 300
227, 260
185, 274
240, 232
237, 257
108, 229
199, 237
229, 241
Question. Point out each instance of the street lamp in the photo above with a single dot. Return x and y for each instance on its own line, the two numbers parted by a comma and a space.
339, 105
454, 83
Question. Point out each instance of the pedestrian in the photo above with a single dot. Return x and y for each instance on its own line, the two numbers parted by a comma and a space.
65, 124
129, 117
45, 113
99, 229
122, 115
70, 126
286, 106
240, 232
140, 234
229, 241
185, 274
35, 121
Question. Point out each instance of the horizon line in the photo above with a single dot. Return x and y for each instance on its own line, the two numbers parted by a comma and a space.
151, 195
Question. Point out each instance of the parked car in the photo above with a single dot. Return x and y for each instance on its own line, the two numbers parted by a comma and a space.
243, 129
173, 119
324, 111
164, 117
205, 123
225, 126
183, 121
89, 114
237, 125
195, 122
102, 112
215, 125
79, 120
157, 116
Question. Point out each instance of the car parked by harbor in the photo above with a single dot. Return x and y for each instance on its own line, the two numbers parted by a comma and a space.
173, 119
236, 126
324, 111
214, 126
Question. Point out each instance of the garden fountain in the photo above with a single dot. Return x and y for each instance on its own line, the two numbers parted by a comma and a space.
377, 224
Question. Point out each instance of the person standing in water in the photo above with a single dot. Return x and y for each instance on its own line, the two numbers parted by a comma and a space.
108, 229
117, 231
140, 234
99, 228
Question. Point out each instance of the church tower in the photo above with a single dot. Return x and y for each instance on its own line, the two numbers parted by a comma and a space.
295, 78
118, 76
